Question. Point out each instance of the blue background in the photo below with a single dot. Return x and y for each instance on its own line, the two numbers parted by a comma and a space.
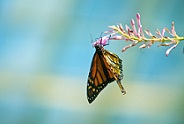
46, 53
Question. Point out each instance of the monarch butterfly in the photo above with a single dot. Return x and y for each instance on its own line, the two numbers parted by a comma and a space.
105, 68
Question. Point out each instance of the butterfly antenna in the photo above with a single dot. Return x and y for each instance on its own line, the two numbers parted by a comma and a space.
99, 36
91, 38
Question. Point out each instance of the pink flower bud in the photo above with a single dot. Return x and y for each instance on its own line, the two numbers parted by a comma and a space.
102, 41
117, 37
133, 27
138, 16
163, 32
169, 50
173, 29
142, 46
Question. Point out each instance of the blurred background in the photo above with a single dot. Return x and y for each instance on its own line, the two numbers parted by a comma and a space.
46, 53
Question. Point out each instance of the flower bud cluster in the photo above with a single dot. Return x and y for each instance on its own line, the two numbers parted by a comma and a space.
136, 36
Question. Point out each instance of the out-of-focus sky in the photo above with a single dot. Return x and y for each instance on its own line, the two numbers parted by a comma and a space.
46, 53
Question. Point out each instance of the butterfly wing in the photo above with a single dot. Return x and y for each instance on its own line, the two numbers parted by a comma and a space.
115, 65
99, 76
